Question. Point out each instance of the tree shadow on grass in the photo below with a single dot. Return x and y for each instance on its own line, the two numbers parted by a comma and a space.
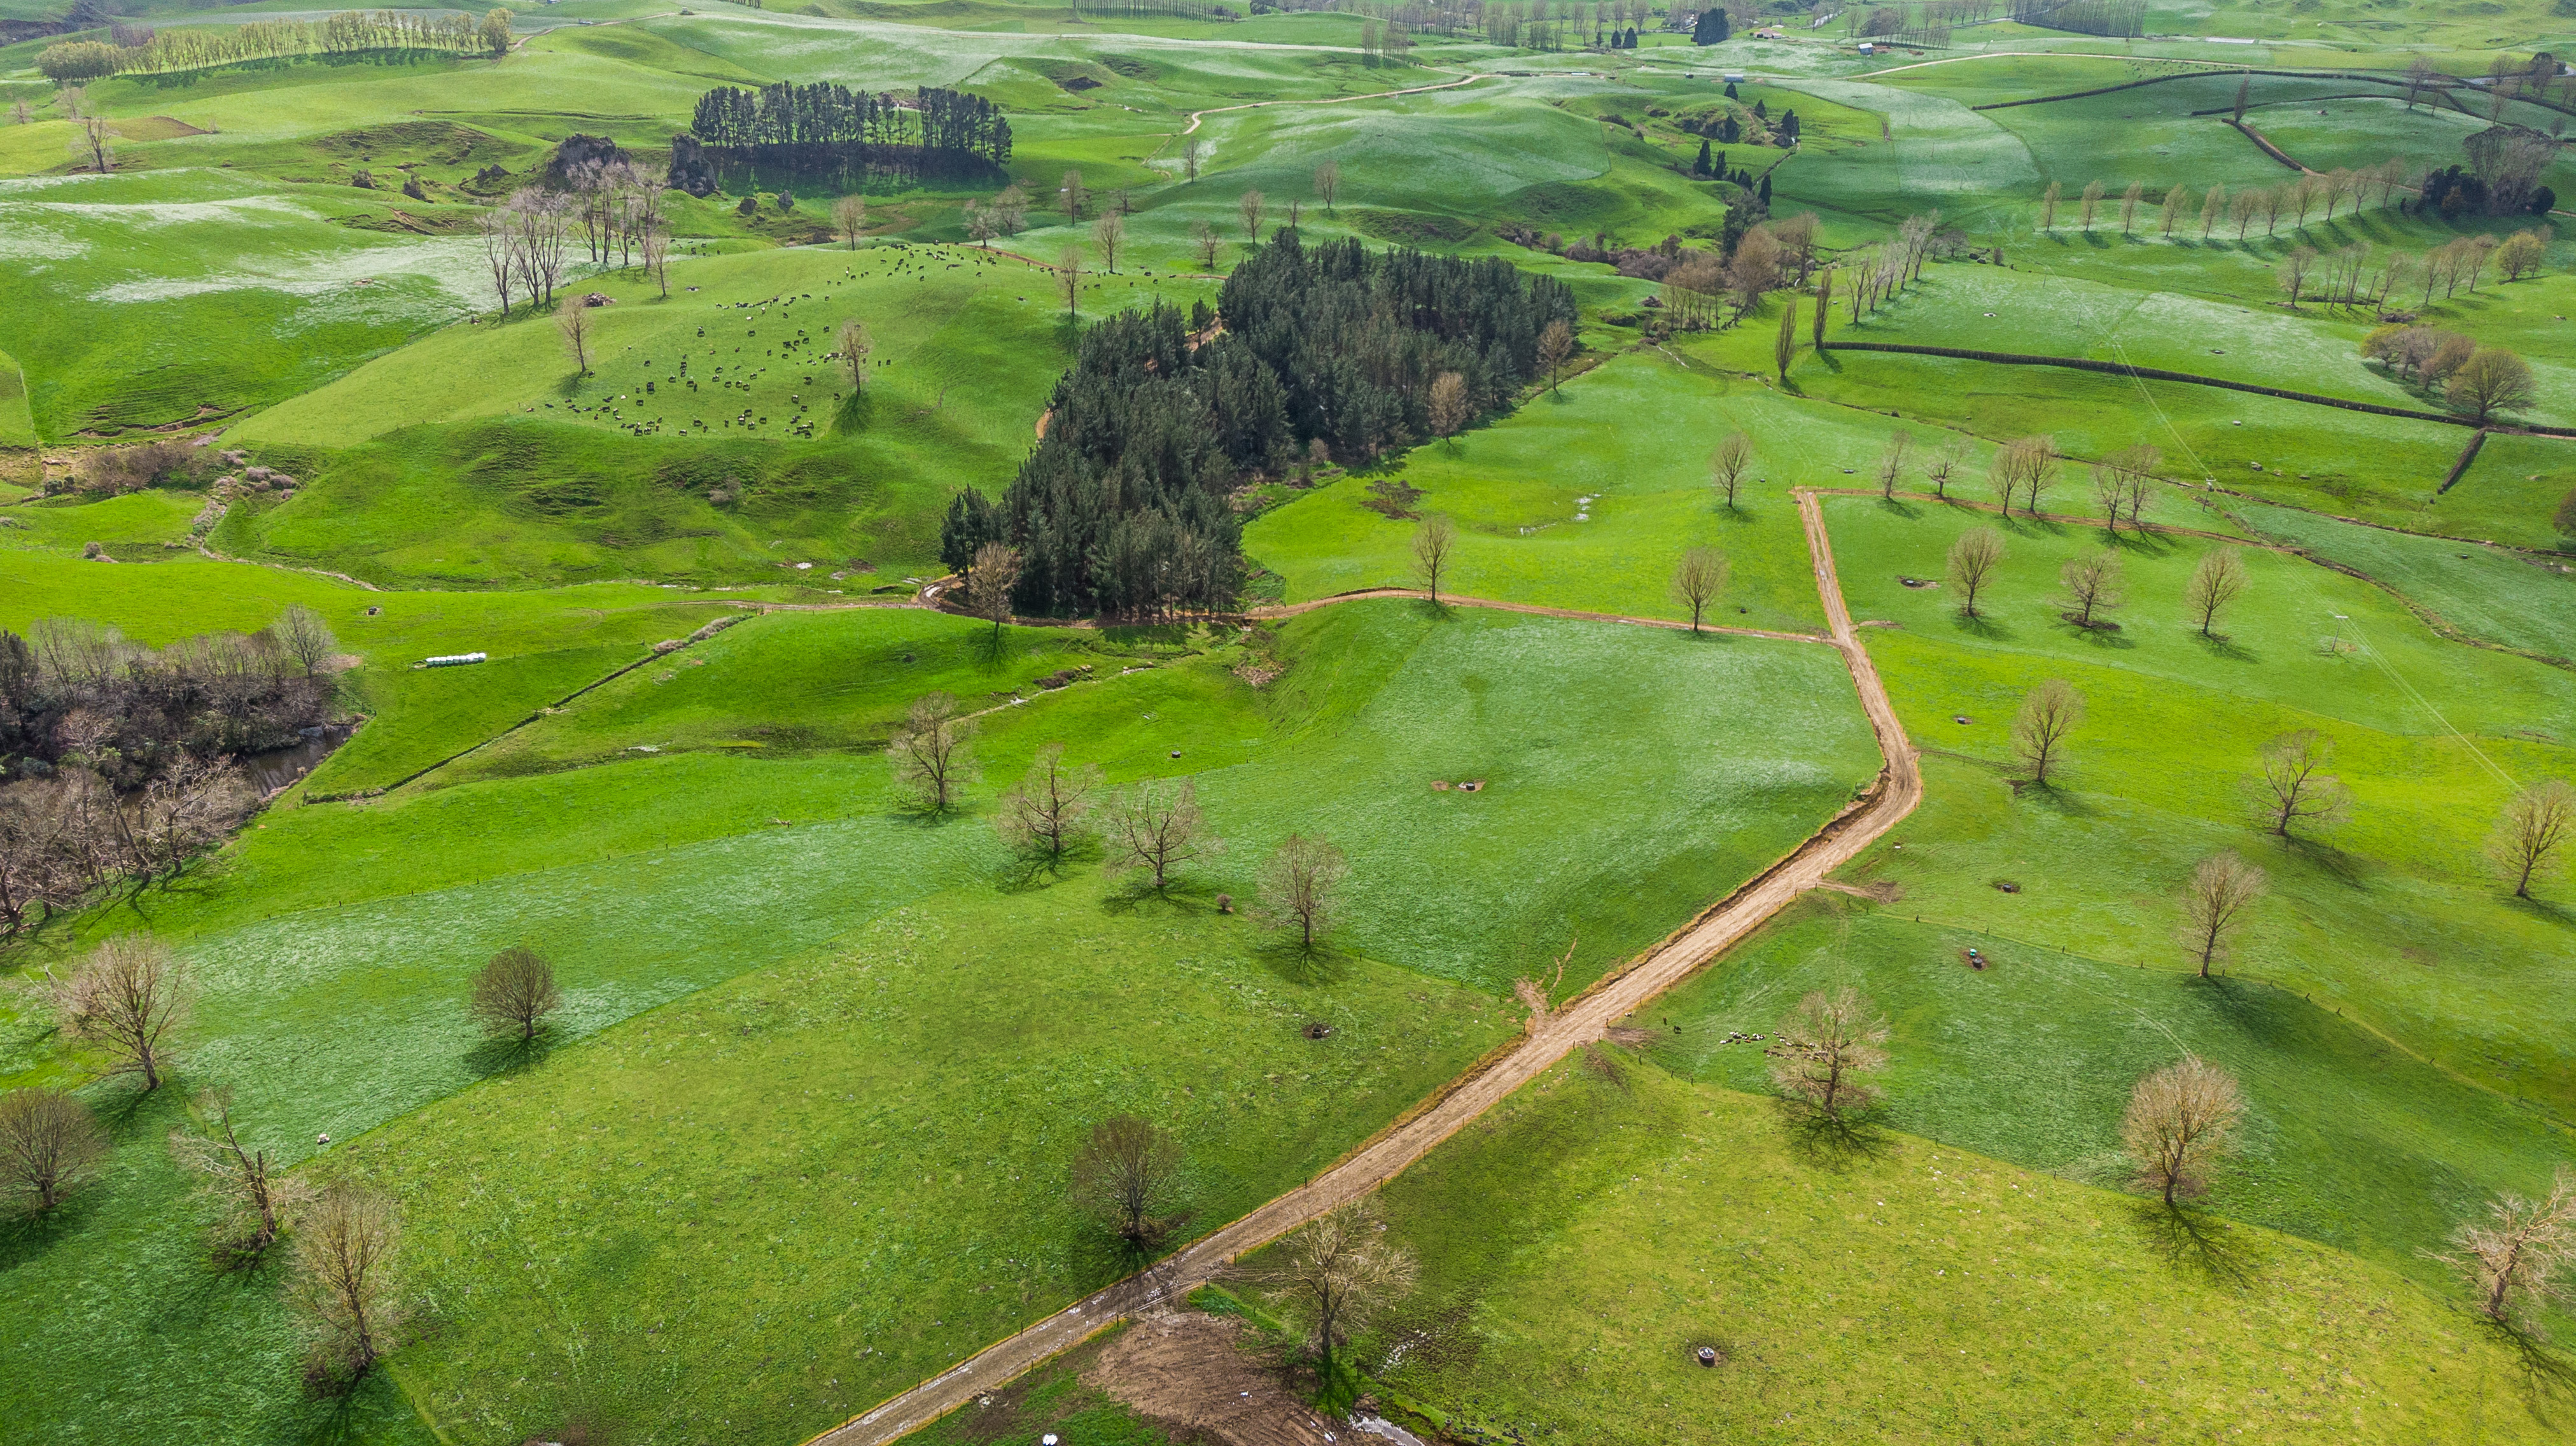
508, 1054
2543, 910
2103, 634
2229, 1255
1982, 627
2065, 803
2548, 1376
1181, 897
2349, 869
1899, 507
1298, 963
1833, 1141
23, 1238
2220, 645
855, 412
1031, 870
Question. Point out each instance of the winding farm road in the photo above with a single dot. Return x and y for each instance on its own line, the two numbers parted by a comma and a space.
1581, 1020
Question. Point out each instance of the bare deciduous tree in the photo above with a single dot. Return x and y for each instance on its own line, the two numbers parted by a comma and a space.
1328, 182
1826, 1044
302, 635
2514, 1260
2291, 784
2023, 468
2092, 584
2049, 713
1345, 1271
1974, 560
1042, 813
1109, 233
256, 1200
1068, 279
1944, 464
573, 320
1193, 150
2535, 823
989, 583
2216, 581
513, 993
933, 752
1433, 541
1073, 196
127, 998
1728, 464
656, 242
2215, 904
1891, 462
93, 136
2177, 1127
1301, 886
1249, 205
1157, 827
850, 218
855, 345
1126, 1174
345, 1283
1698, 580
1555, 345
1205, 241
1447, 406
49, 1146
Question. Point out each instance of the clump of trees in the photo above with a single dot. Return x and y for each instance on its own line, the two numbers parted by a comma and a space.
171, 51
2477, 382
1827, 1046
829, 131
2179, 1127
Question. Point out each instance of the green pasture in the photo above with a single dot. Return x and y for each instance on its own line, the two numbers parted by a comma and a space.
1910, 1288
2512, 494
2495, 594
329, 943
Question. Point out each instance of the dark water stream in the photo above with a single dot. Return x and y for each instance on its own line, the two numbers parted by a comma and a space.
279, 767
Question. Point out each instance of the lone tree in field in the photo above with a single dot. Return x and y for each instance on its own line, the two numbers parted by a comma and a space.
933, 753
1433, 541
850, 217
1068, 279
1826, 1044
2177, 1127
2492, 380
1728, 464
2535, 823
1157, 827
1555, 345
2514, 1260
2291, 785
1974, 560
1944, 464
855, 346
49, 1146
514, 993
1205, 241
1250, 205
2217, 581
989, 583
127, 998
1448, 406
244, 1184
1109, 233
1698, 580
302, 635
573, 320
344, 1279
1346, 1271
1125, 1175
1784, 347
2092, 584
2216, 904
1328, 182
2049, 712
1042, 813
1891, 462
1301, 886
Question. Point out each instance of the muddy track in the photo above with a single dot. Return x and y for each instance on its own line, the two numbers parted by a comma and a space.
1579, 1021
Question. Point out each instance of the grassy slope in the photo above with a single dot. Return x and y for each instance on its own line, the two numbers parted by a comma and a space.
329, 944
1917, 1291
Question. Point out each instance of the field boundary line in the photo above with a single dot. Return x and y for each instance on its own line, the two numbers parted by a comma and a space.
1546, 1039
2110, 368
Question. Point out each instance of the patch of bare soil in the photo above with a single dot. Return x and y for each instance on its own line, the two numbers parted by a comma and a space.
1191, 1375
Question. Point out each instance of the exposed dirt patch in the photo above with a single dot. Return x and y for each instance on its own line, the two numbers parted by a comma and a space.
156, 128
1191, 1375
